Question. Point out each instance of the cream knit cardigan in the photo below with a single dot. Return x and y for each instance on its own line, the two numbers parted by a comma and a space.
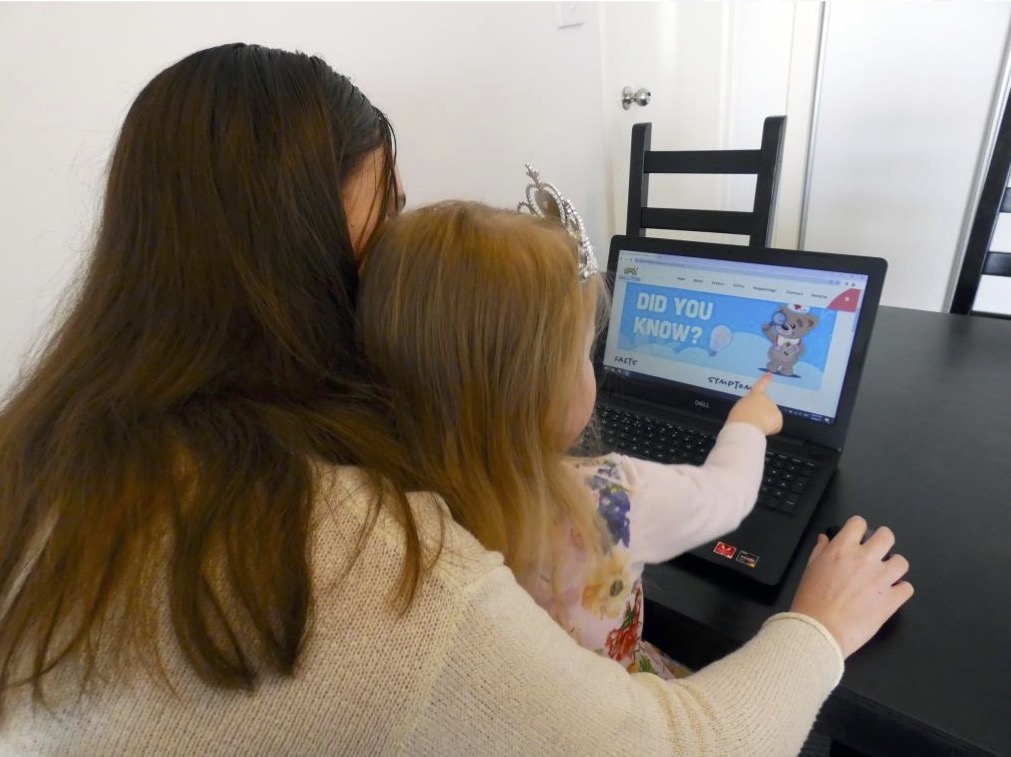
474, 667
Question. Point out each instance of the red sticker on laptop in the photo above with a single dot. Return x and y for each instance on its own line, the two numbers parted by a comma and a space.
725, 550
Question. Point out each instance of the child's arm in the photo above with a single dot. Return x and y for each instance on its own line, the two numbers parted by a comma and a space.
678, 507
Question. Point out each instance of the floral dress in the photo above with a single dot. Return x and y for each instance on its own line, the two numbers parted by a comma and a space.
652, 513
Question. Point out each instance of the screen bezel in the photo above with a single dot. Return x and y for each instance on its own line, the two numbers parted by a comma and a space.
686, 397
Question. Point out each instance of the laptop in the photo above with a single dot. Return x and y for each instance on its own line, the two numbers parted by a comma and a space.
693, 325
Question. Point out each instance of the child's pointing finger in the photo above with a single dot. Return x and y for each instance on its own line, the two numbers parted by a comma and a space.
762, 384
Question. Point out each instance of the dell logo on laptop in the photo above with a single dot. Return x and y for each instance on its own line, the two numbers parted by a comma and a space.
702, 403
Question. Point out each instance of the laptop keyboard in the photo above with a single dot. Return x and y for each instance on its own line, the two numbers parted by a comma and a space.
785, 479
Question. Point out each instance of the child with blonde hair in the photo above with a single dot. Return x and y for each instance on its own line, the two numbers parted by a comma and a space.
481, 322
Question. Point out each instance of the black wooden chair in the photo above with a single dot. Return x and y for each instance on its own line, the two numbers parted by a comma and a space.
764, 163
995, 200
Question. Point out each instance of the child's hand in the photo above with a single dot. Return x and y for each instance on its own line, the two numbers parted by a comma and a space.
849, 587
757, 409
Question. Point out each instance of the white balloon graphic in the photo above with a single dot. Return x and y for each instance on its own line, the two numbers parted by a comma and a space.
719, 338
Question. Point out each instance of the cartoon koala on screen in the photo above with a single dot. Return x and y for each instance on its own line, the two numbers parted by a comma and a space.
789, 325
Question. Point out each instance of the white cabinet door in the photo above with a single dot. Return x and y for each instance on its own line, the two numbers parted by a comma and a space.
715, 71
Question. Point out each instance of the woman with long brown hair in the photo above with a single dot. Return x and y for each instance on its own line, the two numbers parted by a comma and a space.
207, 544
157, 471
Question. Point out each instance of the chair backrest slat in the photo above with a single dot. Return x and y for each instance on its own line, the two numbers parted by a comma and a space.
764, 163
703, 161
717, 221
1005, 204
997, 264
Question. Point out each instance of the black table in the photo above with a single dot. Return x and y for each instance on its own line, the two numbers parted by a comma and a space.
928, 454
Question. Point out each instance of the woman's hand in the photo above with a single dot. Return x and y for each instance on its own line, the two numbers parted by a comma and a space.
849, 587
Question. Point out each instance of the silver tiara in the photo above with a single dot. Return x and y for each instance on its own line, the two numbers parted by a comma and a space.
546, 201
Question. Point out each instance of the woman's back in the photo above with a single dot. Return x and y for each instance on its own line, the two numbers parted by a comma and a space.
472, 667
356, 652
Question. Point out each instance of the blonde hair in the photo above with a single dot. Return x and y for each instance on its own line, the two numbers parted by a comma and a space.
476, 318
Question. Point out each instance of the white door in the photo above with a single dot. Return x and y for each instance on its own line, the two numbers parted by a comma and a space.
715, 71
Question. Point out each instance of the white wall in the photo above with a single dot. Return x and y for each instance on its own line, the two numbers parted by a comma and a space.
906, 93
474, 90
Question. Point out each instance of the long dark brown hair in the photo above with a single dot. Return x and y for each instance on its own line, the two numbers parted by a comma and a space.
163, 443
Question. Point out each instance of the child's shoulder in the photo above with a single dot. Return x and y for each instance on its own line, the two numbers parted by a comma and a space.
603, 467
606, 486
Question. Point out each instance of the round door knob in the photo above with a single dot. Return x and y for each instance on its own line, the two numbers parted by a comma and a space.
640, 96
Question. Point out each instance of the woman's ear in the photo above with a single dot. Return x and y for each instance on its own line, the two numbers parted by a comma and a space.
362, 195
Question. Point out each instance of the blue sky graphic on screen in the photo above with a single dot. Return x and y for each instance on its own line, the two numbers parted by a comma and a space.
726, 333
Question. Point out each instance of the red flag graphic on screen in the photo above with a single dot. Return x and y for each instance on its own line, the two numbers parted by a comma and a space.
847, 301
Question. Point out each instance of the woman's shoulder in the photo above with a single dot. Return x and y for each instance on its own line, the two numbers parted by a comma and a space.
351, 509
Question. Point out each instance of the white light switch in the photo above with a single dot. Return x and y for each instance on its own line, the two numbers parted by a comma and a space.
571, 14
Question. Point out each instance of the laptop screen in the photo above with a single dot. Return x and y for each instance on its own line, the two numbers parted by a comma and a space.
718, 325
